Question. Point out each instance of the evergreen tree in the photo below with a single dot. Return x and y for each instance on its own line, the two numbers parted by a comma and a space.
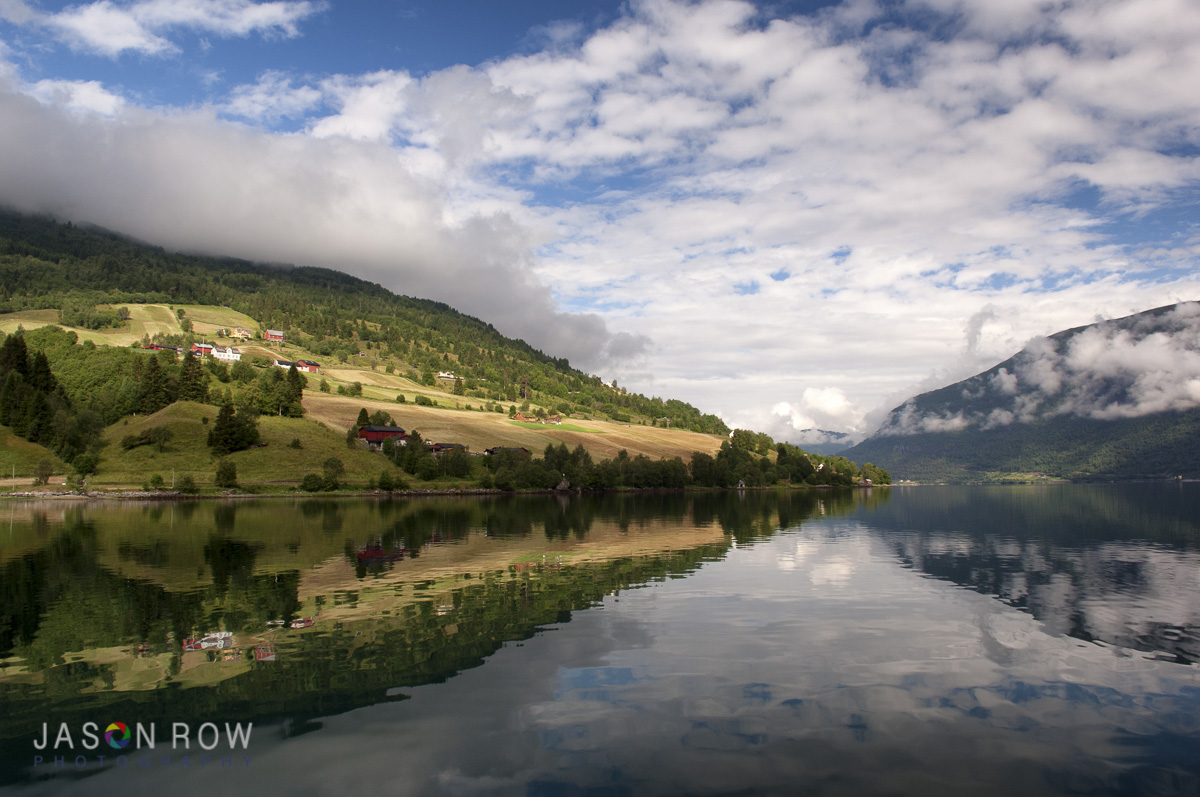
14, 356
193, 384
39, 374
296, 382
154, 393
232, 431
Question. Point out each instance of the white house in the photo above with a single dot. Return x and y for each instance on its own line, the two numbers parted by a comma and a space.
226, 353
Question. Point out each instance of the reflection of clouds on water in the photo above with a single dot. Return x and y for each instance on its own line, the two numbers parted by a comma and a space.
806, 663
823, 564
1132, 594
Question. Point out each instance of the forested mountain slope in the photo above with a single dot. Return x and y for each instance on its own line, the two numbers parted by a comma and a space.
1115, 399
47, 265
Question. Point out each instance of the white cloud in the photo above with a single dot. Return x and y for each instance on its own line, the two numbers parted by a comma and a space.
272, 98
86, 96
109, 28
906, 204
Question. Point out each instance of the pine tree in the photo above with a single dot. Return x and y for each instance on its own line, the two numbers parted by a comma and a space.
40, 375
232, 431
14, 356
193, 383
154, 393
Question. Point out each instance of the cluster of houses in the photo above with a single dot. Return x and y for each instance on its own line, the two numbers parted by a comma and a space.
226, 353
301, 365
374, 436
230, 354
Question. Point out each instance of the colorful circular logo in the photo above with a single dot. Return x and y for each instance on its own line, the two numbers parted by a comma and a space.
117, 735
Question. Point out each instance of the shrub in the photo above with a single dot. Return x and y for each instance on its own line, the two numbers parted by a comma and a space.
385, 481
226, 474
295, 443
504, 479
333, 471
427, 469
156, 482
85, 464
187, 485
424, 401
400, 399
312, 483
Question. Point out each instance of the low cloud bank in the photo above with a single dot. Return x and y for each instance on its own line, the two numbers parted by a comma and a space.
1124, 368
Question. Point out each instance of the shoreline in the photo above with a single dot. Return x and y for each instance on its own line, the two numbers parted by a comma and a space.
176, 496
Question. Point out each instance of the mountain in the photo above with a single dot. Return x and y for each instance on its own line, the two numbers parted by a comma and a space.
1118, 399
78, 271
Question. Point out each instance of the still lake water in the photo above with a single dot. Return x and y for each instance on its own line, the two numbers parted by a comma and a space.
924, 641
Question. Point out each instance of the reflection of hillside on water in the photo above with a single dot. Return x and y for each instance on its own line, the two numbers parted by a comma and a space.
1114, 565
99, 601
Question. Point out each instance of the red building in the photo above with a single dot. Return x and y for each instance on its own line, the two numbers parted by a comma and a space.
308, 365
375, 435
274, 334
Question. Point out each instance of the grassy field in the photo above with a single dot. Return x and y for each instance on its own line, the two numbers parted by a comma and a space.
188, 453
479, 430
145, 319
562, 427
207, 319
20, 455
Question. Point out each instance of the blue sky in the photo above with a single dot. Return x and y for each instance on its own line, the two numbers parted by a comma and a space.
795, 215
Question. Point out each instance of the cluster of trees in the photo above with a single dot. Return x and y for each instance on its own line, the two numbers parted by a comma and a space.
34, 405
85, 315
518, 469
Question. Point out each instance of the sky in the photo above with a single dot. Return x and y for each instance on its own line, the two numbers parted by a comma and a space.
794, 215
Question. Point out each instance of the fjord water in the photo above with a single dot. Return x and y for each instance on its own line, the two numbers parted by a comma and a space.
956, 640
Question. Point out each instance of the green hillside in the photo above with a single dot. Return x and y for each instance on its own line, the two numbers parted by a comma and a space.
186, 453
339, 319
91, 324
1159, 446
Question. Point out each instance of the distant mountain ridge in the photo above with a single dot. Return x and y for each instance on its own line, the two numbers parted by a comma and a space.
1114, 399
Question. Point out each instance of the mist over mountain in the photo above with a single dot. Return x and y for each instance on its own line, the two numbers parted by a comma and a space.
823, 441
1115, 399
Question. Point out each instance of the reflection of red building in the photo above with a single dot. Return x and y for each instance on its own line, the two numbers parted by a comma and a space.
375, 554
264, 653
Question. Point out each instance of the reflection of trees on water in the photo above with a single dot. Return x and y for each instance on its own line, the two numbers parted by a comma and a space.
63, 597
1087, 561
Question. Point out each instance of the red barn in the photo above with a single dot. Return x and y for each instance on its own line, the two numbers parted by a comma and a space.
375, 435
